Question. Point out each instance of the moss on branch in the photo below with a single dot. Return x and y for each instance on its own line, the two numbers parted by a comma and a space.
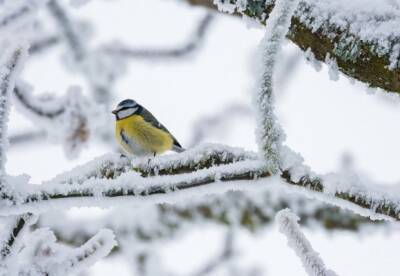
358, 59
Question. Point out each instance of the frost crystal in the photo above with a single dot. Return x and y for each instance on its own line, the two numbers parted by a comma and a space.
333, 69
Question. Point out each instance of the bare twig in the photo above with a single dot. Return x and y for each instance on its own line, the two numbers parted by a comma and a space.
26, 137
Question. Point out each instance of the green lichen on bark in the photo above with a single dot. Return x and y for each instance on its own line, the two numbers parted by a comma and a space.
361, 60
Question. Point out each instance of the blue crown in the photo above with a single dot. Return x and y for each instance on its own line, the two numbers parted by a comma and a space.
127, 103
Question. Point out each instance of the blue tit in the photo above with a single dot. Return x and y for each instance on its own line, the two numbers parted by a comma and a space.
139, 133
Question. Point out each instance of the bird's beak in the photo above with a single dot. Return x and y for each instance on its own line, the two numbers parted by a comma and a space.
114, 111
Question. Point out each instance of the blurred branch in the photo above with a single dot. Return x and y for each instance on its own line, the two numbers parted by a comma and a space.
26, 137
17, 14
67, 28
193, 43
101, 88
39, 107
40, 45
204, 126
356, 58
231, 209
313, 264
226, 255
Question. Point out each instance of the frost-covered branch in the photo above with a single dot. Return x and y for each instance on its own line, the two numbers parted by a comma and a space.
269, 133
10, 68
193, 43
118, 182
12, 231
313, 264
337, 30
98, 247
40, 254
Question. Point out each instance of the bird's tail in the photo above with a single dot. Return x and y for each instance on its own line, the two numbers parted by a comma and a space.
178, 149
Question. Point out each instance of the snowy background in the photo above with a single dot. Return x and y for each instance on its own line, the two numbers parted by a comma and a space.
328, 122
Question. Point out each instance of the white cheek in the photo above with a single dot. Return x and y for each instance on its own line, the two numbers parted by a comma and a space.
127, 112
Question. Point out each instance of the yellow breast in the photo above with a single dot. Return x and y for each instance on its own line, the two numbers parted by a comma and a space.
148, 137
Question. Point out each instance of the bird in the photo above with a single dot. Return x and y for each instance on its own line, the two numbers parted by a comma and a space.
139, 133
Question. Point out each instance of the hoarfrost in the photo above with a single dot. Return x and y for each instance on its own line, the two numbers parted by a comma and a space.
269, 134
288, 225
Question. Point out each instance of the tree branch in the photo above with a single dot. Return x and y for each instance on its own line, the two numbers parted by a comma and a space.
23, 138
370, 60
269, 133
14, 229
38, 107
190, 46
313, 264
118, 182
100, 87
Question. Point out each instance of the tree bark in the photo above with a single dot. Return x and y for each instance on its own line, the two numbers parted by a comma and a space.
358, 59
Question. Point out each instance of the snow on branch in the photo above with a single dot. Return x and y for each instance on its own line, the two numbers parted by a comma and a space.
13, 230
269, 133
98, 247
10, 68
313, 264
361, 38
40, 254
193, 43
111, 181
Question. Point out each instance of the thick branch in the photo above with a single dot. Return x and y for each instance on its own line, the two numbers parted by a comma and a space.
370, 60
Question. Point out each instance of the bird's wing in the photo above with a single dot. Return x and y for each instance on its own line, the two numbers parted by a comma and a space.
148, 117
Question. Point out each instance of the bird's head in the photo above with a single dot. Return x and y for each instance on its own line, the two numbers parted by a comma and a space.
126, 108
